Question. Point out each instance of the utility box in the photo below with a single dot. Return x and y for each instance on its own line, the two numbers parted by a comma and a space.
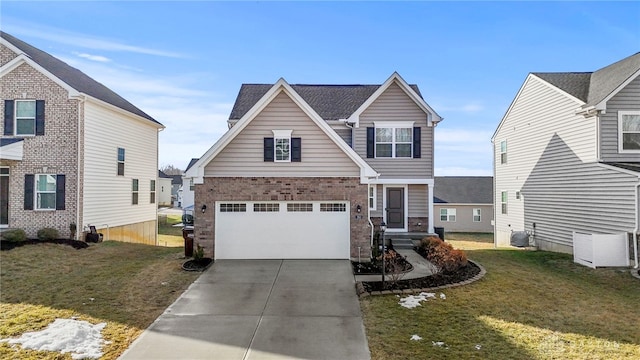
187, 235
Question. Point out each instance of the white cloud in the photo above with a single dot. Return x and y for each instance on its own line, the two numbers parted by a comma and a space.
462, 152
97, 58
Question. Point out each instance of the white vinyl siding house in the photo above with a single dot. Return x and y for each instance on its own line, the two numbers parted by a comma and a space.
566, 170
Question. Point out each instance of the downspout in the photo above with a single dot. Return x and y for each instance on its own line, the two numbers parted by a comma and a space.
79, 173
635, 230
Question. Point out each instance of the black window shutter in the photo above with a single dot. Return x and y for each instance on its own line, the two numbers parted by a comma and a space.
296, 149
371, 142
268, 149
8, 117
28, 191
60, 181
39, 117
417, 149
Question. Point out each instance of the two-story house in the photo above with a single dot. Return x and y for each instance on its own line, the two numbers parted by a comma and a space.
309, 171
567, 156
464, 203
72, 151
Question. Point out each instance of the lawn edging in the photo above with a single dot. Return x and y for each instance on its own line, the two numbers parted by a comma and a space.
362, 293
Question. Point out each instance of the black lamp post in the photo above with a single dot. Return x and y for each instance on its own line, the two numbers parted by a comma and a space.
383, 228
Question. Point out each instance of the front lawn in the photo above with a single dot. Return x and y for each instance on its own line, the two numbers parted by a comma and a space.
168, 234
530, 305
125, 285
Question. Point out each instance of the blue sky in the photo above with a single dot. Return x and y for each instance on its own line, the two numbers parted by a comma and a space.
183, 62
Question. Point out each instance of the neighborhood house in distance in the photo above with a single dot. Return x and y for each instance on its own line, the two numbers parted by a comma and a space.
464, 203
567, 163
310, 171
72, 151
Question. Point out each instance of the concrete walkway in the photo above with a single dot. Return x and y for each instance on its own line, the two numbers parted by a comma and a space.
421, 267
261, 309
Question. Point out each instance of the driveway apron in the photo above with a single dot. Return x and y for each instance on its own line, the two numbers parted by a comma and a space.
261, 309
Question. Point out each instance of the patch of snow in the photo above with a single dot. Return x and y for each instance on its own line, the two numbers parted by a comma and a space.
478, 347
416, 337
412, 301
439, 343
443, 296
80, 338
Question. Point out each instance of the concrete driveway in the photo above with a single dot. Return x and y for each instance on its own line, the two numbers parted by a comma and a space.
261, 309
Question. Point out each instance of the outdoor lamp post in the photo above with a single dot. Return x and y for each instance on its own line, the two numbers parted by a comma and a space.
383, 228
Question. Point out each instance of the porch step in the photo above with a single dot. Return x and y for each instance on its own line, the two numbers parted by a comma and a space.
402, 243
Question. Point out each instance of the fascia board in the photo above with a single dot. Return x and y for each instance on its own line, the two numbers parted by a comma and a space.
602, 105
197, 170
23, 58
13, 151
395, 77
104, 104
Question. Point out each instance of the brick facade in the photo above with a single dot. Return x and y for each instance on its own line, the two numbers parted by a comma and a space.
55, 152
282, 189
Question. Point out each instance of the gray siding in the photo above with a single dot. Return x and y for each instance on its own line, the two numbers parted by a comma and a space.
395, 105
562, 194
627, 99
418, 204
464, 218
321, 157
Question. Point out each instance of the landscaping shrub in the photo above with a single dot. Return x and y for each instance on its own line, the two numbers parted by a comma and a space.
442, 254
48, 234
14, 235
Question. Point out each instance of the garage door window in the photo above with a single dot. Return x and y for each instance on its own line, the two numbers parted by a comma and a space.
299, 207
233, 207
333, 207
266, 207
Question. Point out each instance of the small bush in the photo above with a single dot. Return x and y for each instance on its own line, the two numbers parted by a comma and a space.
442, 254
14, 235
48, 234
199, 253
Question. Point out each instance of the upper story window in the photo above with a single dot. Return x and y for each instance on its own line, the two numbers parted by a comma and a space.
629, 131
394, 142
282, 147
23, 117
477, 217
120, 161
191, 185
503, 152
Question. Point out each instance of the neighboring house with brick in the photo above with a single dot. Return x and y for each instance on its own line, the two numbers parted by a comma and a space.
309, 171
567, 157
464, 203
163, 188
72, 151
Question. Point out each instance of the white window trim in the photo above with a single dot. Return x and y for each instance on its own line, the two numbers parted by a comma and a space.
36, 192
281, 135
620, 142
504, 202
394, 125
473, 215
118, 161
152, 191
450, 212
15, 117
374, 197
506, 159
134, 191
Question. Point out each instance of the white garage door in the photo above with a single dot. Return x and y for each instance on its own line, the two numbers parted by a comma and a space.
282, 230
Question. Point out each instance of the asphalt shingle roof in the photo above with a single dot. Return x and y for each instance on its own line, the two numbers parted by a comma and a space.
593, 87
331, 102
463, 189
74, 77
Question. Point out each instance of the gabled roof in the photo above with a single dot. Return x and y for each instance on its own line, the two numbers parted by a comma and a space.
73, 77
176, 179
463, 189
193, 161
197, 169
596, 87
162, 175
331, 102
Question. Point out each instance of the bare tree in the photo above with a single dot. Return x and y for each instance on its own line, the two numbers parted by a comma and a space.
171, 170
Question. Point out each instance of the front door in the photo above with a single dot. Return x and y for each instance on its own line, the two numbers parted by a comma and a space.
4, 196
395, 208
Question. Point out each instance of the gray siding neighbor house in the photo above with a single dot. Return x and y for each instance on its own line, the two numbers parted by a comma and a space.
463, 203
310, 171
567, 157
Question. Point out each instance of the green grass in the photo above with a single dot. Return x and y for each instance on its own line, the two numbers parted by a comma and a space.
169, 235
530, 305
130, 284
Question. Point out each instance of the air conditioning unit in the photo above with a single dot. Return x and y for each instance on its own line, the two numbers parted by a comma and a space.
520, 238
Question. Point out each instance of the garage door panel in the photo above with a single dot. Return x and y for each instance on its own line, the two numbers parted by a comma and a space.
283, 234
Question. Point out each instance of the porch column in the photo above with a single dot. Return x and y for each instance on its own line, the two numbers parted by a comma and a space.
430, 207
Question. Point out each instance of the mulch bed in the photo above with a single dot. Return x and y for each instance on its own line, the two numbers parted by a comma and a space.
371, 268
8, 245
436, 280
